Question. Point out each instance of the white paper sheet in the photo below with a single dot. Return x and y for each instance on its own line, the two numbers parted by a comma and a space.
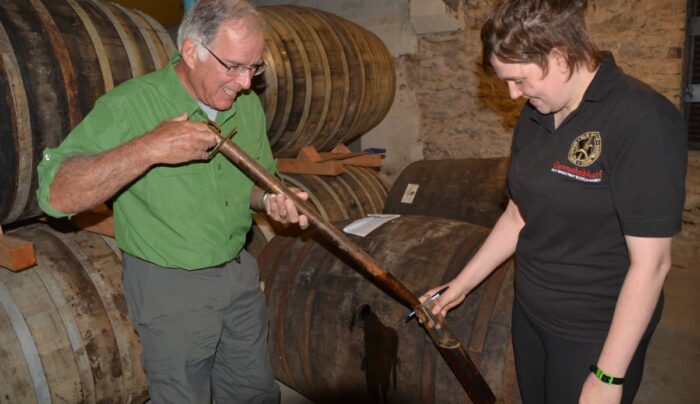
364, 226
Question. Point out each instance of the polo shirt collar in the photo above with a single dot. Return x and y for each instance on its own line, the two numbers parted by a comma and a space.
607, 78
175, 91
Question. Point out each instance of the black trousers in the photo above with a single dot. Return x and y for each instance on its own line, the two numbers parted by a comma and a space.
552, 370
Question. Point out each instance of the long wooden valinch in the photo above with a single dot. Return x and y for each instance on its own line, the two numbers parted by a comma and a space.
449, 346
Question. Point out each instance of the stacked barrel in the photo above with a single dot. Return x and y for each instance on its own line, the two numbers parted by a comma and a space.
328, 82
58, 57
64, 324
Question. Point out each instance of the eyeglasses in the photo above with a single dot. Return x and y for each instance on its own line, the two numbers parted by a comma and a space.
239, 69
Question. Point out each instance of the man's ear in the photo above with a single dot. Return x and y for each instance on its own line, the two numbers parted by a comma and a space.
189, 52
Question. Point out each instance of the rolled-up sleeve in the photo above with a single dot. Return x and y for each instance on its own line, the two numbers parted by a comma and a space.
99, 131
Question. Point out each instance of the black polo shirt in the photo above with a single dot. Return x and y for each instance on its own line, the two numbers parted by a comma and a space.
615, 167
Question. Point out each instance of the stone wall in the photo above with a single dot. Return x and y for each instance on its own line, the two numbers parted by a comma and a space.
447, 107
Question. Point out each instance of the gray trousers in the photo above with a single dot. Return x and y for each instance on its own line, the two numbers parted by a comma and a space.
203, 332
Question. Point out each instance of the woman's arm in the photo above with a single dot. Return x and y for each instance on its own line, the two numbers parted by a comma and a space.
498, 247
650, 261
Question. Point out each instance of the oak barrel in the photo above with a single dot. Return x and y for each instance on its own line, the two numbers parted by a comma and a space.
335, 337
328, 79
58, 57
355, 193
65, 336
463, 189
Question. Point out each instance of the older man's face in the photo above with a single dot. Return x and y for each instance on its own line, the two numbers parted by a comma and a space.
234, 44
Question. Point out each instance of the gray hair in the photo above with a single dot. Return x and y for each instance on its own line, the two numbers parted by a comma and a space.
202, 21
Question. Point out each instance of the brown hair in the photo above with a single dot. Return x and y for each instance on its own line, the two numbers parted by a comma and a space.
526, 31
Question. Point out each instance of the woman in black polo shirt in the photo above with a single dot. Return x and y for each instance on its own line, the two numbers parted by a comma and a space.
596, 188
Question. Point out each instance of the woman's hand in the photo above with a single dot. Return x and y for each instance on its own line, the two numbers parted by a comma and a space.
596, 392
453, 296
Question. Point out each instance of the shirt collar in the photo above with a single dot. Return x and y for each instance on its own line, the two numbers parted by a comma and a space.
182, 100
607, 78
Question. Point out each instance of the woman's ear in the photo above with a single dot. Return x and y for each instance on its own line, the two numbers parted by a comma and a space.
558, 61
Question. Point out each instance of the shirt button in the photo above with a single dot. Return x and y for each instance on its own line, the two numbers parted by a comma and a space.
225, 203
219, 166
47, 157
230, 236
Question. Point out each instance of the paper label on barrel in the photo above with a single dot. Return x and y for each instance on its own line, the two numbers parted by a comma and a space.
409, 193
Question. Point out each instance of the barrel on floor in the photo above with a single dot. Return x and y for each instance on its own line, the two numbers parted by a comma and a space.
65, 336
335, 337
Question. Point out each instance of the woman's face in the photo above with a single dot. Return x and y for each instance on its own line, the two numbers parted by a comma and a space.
548, 93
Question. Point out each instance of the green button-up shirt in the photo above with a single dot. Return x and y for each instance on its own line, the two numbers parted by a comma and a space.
189, 216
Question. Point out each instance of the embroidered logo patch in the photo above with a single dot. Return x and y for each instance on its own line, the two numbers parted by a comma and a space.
585, 149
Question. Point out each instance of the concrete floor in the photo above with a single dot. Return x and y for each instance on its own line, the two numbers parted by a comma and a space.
290, 396
673, 361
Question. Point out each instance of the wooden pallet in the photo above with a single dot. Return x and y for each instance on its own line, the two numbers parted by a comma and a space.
311, 161
97, 220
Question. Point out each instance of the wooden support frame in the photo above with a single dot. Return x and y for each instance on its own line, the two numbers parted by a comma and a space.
16, 254
98, 220
310, 161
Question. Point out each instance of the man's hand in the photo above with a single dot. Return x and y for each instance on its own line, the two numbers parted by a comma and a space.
283, 210
179, 140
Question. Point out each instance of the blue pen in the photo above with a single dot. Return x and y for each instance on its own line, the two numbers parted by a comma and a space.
433, 297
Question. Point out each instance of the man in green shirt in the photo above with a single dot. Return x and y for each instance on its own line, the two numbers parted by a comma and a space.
181, 219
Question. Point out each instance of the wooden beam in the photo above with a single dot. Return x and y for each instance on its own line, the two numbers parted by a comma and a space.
296, 166
16, 254
98, 220
308, 153
355, 159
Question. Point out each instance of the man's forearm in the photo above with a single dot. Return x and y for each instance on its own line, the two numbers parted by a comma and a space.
83, 182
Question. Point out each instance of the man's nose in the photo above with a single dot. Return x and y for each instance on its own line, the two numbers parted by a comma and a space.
245, 79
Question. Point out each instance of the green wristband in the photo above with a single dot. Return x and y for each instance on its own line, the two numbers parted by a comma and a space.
605, 378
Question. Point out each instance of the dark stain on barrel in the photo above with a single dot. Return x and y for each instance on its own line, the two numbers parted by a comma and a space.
380, 361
